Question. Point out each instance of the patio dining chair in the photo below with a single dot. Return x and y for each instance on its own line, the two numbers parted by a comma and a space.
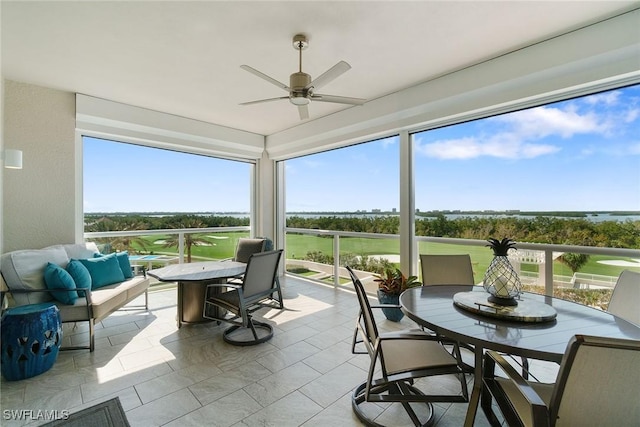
247, 247
446, 269
397, 360
598, 384
625, 299
242, 300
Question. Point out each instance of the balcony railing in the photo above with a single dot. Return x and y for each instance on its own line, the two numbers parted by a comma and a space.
530, 253
181, 232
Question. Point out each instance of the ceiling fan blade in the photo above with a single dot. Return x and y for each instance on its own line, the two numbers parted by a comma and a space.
338, 99
264, 100
332, 73
303, 110
265, 77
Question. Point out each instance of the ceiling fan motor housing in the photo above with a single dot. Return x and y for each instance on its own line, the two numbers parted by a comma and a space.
298, 94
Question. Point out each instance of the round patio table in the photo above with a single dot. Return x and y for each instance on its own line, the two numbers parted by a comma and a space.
433, 308
192, 279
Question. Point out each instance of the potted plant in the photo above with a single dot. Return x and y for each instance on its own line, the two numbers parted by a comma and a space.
391, 283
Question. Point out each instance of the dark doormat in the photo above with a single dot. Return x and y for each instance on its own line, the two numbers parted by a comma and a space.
106, 414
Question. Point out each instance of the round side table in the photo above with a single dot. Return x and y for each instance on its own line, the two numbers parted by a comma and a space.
31, 337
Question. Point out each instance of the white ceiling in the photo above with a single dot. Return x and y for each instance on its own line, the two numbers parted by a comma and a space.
184, 57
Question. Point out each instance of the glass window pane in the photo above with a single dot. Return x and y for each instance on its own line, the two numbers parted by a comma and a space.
562, 173
348, 189
129, 187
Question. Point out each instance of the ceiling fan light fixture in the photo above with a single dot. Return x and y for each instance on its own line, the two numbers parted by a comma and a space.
299, 100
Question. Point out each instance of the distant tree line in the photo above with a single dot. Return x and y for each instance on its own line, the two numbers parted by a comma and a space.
541, 229
120, 222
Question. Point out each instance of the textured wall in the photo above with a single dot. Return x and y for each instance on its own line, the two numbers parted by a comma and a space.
38, 200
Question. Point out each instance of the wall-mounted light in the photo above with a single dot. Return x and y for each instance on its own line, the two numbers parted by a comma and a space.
12, 159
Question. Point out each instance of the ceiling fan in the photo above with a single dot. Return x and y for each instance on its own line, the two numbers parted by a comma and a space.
301, 87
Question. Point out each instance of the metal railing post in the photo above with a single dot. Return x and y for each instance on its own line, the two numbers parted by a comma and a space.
336, 260
548, 272
181, 247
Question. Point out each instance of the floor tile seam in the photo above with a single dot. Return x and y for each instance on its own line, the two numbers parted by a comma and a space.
125, 374
318, 403
202, 405
31, 403
180, 416
278, 400
164, 395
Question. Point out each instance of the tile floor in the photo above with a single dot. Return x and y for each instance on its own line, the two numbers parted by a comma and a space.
166, 376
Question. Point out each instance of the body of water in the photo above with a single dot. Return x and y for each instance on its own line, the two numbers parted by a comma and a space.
594, 217
600, 217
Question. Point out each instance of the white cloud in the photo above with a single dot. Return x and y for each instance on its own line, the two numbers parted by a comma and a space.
388, 142
501, 146
631, 115
520, 134
634, 149
540, 122
607, 98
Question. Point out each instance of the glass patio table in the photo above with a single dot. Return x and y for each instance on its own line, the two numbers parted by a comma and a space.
192, 279
433, 308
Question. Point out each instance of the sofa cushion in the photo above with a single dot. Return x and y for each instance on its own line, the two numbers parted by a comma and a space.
108, 299
80, 275
80, 250
24, 270
123, 261
104, 270
56, 277
105, 300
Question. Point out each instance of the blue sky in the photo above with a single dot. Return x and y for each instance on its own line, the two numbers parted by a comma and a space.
130, 178
581, 154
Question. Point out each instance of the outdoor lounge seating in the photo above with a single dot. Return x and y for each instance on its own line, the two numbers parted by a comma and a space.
24, 273
598, 384
398, 359
255, 292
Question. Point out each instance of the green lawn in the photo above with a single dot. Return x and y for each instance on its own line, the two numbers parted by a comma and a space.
224, 244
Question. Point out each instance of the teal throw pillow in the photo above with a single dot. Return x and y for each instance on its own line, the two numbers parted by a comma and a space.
104, 270
80, 275
56, 277
123, 261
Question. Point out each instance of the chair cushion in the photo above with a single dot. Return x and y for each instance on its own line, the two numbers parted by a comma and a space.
403, 355
104, 270
229, 300
56, 277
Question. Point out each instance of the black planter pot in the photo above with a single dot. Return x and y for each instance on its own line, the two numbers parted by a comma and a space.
393, 314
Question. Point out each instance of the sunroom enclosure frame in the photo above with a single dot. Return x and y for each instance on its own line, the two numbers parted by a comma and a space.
598, 57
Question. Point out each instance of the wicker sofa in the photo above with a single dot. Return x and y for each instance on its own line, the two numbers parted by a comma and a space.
23, 278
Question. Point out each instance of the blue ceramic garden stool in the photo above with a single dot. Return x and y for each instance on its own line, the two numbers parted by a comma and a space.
31, 337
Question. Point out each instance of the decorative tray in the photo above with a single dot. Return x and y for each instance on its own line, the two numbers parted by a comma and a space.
526, 310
